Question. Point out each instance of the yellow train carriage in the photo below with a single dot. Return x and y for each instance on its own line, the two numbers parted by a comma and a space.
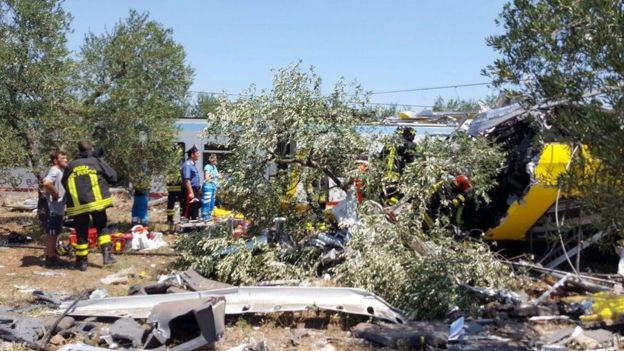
541, 196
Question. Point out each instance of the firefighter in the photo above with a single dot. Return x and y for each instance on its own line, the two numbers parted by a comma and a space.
455, 193
86, 180
174, 189
396, 160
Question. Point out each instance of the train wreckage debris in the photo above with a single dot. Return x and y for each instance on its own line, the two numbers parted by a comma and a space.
251, 299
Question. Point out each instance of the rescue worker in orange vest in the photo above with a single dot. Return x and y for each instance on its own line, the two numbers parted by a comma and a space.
86, 180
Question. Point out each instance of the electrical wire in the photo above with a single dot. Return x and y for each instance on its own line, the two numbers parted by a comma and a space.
454, 86
430, 88
396, 104
441, 87
565, 252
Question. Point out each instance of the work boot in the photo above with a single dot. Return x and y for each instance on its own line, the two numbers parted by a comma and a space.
82, 262
107, 255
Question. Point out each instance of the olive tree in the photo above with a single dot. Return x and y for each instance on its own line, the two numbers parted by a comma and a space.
134, 82
37, 110
571, 50
296, 134
288, 137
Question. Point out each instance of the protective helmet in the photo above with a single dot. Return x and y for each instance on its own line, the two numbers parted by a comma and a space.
408, 133
462, 183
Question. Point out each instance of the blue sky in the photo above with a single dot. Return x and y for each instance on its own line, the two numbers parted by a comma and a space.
384, 45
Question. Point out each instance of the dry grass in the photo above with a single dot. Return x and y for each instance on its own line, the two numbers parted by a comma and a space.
22, 269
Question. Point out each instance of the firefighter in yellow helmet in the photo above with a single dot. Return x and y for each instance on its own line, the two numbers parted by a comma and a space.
86, 180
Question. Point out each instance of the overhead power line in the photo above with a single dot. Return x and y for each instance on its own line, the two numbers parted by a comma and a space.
396, 104
212, 93
368, 103
374, 92
430, 88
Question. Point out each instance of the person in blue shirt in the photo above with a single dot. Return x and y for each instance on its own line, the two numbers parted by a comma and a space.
211, 176
191, 184
211, 173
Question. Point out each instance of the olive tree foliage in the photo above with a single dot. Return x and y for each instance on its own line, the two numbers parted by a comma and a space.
420, 271
134, 82
37, 110
235, 262
204, 105
567, 50
294, 133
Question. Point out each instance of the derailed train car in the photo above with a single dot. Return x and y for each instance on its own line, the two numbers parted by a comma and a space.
528, 203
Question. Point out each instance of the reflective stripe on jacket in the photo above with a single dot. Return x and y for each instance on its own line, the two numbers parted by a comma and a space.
86, 180
174, 188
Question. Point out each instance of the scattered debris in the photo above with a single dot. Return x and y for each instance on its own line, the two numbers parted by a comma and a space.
323, 345
203, 320
127, 330
500, 295
157, 288
50, 274
82, 347
162, 200
599, 307
46, 297
252, 346
26, 205
194, 281
98, 294
63, 324
409, 336
541, 319
24, 289
16, 239
252, 299
297, 335
456, 331
550, 290
142, 239
57, 340
18, 328
121, 277
583, 282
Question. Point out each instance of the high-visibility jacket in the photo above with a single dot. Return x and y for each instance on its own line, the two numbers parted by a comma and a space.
174, 181
86, 182
175, 185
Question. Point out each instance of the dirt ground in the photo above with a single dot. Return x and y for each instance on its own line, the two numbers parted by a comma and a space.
22, 271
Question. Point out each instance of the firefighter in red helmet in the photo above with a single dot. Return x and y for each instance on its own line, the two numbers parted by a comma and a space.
454, 192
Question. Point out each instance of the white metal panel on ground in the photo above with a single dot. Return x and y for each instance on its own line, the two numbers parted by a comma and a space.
250, 299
